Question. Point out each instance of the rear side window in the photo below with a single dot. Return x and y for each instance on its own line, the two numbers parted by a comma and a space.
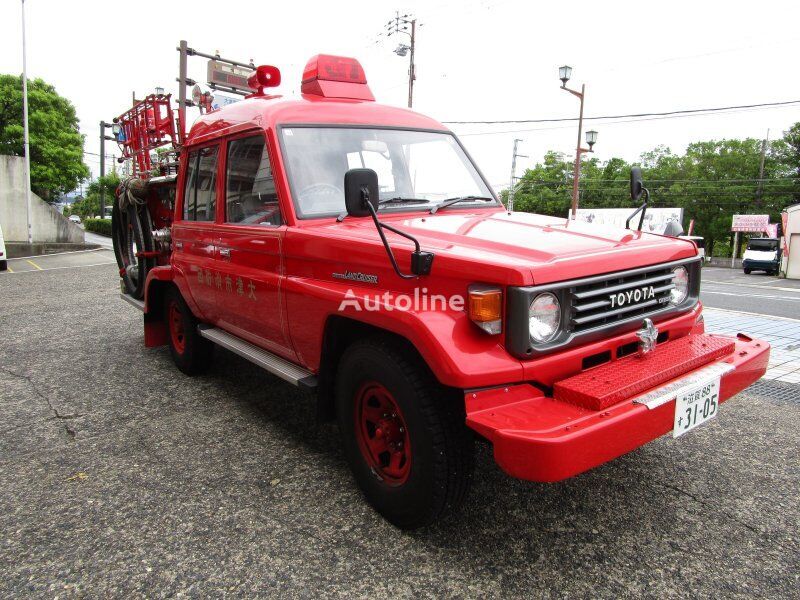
200, 193
250, 197
188, 187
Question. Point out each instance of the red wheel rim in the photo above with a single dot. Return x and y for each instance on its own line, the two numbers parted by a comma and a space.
175, 318
382, 433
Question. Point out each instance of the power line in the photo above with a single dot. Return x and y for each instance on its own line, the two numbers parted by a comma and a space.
632, 115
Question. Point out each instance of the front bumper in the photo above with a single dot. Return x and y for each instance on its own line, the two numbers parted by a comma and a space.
758, 265
540, 438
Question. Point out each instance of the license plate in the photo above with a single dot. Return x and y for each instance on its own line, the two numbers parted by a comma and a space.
696, 406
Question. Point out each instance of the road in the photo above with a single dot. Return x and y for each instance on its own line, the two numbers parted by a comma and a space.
93, 238
123, 477
756, 293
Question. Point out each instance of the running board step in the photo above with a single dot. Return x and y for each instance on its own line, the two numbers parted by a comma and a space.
133, 301
268, 361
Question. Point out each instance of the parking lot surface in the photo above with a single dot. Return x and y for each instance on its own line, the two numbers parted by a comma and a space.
756, 293
122, 476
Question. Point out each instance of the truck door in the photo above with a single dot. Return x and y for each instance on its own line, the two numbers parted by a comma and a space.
193, 233
249, 240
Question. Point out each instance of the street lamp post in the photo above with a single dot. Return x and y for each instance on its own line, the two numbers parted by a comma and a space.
103, 137
26, 136
564, 74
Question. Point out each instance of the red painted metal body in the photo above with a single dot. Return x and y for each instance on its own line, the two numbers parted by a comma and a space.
275, 287
615, 381
539, 438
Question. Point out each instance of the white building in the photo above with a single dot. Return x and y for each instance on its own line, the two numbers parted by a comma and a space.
791, 258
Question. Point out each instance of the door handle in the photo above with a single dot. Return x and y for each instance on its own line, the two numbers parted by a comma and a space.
225, 253
179, 245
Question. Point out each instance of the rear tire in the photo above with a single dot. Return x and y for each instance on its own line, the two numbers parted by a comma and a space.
404, 434
191, 352
3, 265
747, 271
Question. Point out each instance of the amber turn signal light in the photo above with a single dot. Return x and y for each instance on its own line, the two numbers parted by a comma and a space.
485, 309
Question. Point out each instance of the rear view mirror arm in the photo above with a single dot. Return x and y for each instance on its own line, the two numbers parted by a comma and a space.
420, 261
642, 209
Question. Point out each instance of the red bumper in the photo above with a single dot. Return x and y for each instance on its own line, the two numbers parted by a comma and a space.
544, 439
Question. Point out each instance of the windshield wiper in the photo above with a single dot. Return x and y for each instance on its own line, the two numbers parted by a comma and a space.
401, 200
395, 200
451, 201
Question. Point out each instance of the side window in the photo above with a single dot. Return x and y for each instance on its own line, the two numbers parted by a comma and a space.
206, 186
250, 197
200, 192
188, 188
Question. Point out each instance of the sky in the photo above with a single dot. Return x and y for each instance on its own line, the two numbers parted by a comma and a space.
476, 60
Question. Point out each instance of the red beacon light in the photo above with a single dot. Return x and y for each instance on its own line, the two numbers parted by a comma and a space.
263, 77
335, 77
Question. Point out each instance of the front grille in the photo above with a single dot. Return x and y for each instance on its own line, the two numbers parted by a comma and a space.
619, 297
600, 306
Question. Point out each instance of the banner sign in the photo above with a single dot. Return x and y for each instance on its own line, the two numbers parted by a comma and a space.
785, 223
219, 101
655, 219
751, 223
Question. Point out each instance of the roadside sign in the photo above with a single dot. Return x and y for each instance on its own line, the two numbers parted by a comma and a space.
751, 223
231, 76
655, 219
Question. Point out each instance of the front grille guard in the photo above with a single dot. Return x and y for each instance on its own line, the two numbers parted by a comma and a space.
579, 300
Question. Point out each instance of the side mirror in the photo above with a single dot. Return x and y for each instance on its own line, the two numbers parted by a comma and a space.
636, 183
673, 229
360, 189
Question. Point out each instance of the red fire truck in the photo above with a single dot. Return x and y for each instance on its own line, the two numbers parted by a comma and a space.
356, 250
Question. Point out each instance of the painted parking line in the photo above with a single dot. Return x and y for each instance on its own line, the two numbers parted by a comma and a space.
63, 267
753, 285
61, 253
33, 264
790, 298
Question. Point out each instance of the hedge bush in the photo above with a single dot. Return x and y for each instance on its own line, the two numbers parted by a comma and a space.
101, 226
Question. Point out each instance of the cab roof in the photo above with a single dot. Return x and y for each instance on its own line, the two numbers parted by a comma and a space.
267, 112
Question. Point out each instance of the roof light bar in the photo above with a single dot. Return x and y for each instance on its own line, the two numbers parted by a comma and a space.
335, 77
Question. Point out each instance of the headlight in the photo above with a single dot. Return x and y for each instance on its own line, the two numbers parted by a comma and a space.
681, 289
544, 317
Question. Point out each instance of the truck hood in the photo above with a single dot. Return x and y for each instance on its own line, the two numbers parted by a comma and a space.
528, 248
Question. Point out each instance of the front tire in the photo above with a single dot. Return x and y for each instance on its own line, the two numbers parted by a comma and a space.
191, 352
403, 434
747, 271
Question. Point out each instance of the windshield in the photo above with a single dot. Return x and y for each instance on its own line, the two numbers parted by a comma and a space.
763, 245
424, 165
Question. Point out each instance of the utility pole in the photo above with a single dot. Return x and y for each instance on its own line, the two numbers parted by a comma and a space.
514, 157
760, 190
401, 24
26, 138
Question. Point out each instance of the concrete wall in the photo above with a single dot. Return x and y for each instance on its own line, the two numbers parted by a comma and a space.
48, 224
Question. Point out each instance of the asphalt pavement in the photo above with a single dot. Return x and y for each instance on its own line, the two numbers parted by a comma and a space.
757, 293
121, 476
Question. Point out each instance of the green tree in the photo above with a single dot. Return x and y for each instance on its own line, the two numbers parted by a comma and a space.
89, 206
787, 155
56, 143
711, 181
